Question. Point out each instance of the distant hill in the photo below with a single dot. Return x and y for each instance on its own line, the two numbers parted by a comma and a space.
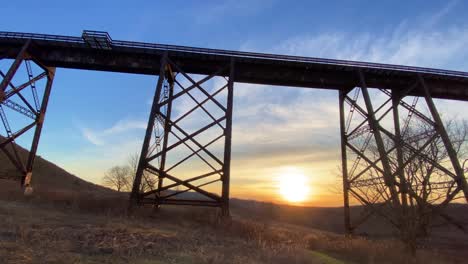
331, 218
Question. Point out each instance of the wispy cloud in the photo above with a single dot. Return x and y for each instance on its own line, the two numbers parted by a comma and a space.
423, 41
100, 137
434, 19
124, 125
445, 47
91, 136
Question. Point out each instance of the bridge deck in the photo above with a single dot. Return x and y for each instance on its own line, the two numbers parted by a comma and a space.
258, 68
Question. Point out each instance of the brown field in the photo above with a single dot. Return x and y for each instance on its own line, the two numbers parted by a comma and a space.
69, 227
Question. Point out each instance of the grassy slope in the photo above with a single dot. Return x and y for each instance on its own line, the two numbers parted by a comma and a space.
47, 175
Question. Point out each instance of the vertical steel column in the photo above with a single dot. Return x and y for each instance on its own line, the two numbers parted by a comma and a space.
134, 196
344, 165
439, 126
398, 146
26, 179
167, 129
396, 97
374, 125
227, 142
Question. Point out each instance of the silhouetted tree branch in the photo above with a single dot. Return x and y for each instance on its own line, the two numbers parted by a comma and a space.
117, 178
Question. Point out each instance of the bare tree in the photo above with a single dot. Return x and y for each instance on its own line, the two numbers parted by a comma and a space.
425, 182
117, 178
148, 183
430, 187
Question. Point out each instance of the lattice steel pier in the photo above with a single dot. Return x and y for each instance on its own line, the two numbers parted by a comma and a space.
30, 107
162, 125
381, 151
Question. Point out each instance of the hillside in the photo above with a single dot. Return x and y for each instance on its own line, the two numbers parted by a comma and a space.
47, 176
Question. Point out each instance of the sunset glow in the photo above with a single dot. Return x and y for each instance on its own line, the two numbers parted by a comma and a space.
293, 185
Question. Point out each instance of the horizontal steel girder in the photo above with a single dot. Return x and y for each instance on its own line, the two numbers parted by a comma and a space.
69, 52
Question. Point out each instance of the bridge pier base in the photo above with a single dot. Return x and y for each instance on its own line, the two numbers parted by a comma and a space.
16, 104
183, 163
392, 164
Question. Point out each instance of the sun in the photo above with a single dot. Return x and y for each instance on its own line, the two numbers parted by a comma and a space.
293, 185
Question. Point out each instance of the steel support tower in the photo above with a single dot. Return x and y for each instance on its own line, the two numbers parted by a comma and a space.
21, 94
154, 178
381, 151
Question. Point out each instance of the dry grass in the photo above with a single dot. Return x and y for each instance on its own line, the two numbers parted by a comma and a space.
69, 227
362, 250
75, 229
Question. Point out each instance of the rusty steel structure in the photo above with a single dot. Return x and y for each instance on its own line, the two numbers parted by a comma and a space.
12, 97
386, 153
375, 146
162, 125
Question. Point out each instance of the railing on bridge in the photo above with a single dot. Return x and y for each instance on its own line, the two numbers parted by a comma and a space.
97, 39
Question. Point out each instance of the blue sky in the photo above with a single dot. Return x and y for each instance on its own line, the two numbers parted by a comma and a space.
96, 119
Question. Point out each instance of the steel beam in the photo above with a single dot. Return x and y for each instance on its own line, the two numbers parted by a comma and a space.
396, 98
167, 125
134, 196
344, 165
227, 145
184, 183
439, 126
195, 152
189, 137
373, 123
14, 67
26, 180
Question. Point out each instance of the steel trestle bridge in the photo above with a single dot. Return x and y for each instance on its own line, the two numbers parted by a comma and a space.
375, 123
